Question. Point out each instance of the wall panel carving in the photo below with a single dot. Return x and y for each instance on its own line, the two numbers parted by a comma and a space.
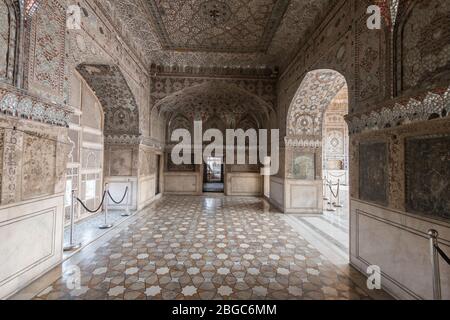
427, 169
8, 39
46, 62
39, 164
373, 174
423, 48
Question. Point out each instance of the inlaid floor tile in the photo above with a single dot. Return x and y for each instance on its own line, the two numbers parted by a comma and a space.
205, 248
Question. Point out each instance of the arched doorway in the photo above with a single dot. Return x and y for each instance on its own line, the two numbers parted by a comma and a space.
86, 156
104, 135
220, 106
317, 146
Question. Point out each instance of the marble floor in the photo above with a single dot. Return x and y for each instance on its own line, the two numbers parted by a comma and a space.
87, 230
213, 187
201, 248
332, 227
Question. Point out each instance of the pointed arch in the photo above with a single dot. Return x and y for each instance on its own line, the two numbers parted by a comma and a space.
116, 97
317, 90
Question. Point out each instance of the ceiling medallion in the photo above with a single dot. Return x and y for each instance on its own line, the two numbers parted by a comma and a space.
215, 12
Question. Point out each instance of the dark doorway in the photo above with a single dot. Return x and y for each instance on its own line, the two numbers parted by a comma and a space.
158, 174
213, 175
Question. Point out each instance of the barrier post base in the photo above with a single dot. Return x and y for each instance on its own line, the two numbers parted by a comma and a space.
72, 247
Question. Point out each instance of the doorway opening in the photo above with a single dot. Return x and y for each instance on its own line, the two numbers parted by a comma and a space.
318, 113
213, 175
158, 175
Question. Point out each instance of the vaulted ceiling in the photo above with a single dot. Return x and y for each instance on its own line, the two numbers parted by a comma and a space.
226, 33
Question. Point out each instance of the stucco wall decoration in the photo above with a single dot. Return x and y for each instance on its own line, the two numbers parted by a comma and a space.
39, 164
18, 103
424, 107
47, 50
373, 172
423, 50
111, 88
427, 167
318, 89
9, 22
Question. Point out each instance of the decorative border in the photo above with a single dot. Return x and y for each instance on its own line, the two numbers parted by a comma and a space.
302, 142
435, 105
19, 104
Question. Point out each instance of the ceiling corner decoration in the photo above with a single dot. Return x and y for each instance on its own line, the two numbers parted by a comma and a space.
236, 26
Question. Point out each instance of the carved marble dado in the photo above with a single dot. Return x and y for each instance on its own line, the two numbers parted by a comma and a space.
405, 111
34, 160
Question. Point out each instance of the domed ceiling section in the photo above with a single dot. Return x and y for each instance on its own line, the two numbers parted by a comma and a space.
227, 33
210, 100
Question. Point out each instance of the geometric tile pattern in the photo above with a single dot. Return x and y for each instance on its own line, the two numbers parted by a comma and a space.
227, 33
206, 248
220, 26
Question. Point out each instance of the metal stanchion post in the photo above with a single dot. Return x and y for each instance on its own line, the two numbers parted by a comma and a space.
330, 204
338, 203
105, 210
72, 245
325, 192
127, 210
433, 234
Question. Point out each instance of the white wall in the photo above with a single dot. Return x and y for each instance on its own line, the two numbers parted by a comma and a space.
398, 243
244, 184
189, 183
31, 242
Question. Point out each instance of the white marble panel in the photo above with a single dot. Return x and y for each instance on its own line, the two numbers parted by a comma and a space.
398, 243
31, 240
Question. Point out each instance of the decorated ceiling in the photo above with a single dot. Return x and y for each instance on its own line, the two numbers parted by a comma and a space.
231, 33
202, 102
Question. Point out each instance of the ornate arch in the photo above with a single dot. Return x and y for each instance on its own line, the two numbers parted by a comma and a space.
111, 88
209, 100
316, 92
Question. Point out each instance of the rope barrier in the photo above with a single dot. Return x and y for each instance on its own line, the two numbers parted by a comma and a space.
123, 198
89, 210
74, 246
442, 253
